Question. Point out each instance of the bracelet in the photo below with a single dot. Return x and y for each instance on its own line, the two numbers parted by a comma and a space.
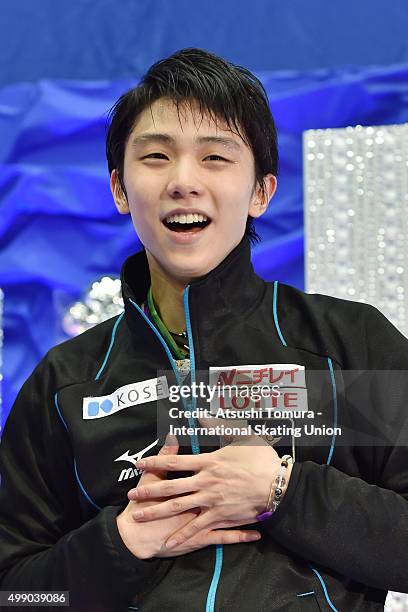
276, 492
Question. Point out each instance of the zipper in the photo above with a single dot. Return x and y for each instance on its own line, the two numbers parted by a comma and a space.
195, 446
212, 592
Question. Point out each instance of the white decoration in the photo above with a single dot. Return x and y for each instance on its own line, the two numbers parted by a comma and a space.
356, 227
356, 207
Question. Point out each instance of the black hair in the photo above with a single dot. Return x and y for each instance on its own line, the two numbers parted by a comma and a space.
223, 90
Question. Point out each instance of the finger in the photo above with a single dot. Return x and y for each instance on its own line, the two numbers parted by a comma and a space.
164, 488
171, 444
170, 447
188, 463
233, 536
201, 523
169, 508
220, 536
228, 524
213, 422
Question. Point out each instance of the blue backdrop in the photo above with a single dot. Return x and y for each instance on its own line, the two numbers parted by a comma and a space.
108, 39
58, 225
60, 71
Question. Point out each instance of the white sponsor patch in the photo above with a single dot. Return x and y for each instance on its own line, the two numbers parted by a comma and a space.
124, 397
276, 386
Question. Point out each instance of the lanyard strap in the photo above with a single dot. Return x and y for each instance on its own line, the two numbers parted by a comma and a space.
179, 352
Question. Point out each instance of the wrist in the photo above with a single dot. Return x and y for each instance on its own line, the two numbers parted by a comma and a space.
278, 487
131, 532
287, 477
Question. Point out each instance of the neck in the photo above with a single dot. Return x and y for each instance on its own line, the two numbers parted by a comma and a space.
167, 296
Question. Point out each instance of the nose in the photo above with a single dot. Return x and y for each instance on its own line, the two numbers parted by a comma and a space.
183, 182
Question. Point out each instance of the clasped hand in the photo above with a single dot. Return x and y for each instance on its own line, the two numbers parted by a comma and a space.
230, 486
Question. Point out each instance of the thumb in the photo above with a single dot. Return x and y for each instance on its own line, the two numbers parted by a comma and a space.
170, 447
213, 422
238, 424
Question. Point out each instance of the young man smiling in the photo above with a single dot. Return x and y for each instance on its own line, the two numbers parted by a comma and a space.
193, 158
189, 184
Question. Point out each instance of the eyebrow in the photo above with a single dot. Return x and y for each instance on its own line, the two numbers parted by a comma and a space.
169, 140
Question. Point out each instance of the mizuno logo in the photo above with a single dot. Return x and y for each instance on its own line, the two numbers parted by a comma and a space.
128, 473
131, 472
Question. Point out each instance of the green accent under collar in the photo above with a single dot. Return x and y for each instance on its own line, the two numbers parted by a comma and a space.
179, 352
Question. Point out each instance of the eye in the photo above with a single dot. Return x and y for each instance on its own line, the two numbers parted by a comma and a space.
215, 157
155, 156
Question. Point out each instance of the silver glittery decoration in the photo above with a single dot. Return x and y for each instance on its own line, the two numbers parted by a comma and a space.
102, 301
356, 205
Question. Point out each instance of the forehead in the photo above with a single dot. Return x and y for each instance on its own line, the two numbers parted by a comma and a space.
182, 120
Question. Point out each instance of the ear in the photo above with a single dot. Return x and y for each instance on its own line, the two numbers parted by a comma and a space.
118, 194
260, 199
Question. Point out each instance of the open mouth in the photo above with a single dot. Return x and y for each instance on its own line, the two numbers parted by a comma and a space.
191, 222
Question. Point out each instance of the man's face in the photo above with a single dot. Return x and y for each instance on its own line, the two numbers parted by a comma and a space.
190, 186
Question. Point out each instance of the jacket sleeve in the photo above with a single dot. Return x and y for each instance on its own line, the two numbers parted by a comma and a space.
44, 544
357, 528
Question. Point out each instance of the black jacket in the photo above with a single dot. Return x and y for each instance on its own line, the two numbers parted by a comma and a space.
339, 539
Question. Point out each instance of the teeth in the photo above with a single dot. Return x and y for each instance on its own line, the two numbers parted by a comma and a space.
189, 218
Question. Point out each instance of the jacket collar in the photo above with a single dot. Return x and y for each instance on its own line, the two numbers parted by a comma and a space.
232, 286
